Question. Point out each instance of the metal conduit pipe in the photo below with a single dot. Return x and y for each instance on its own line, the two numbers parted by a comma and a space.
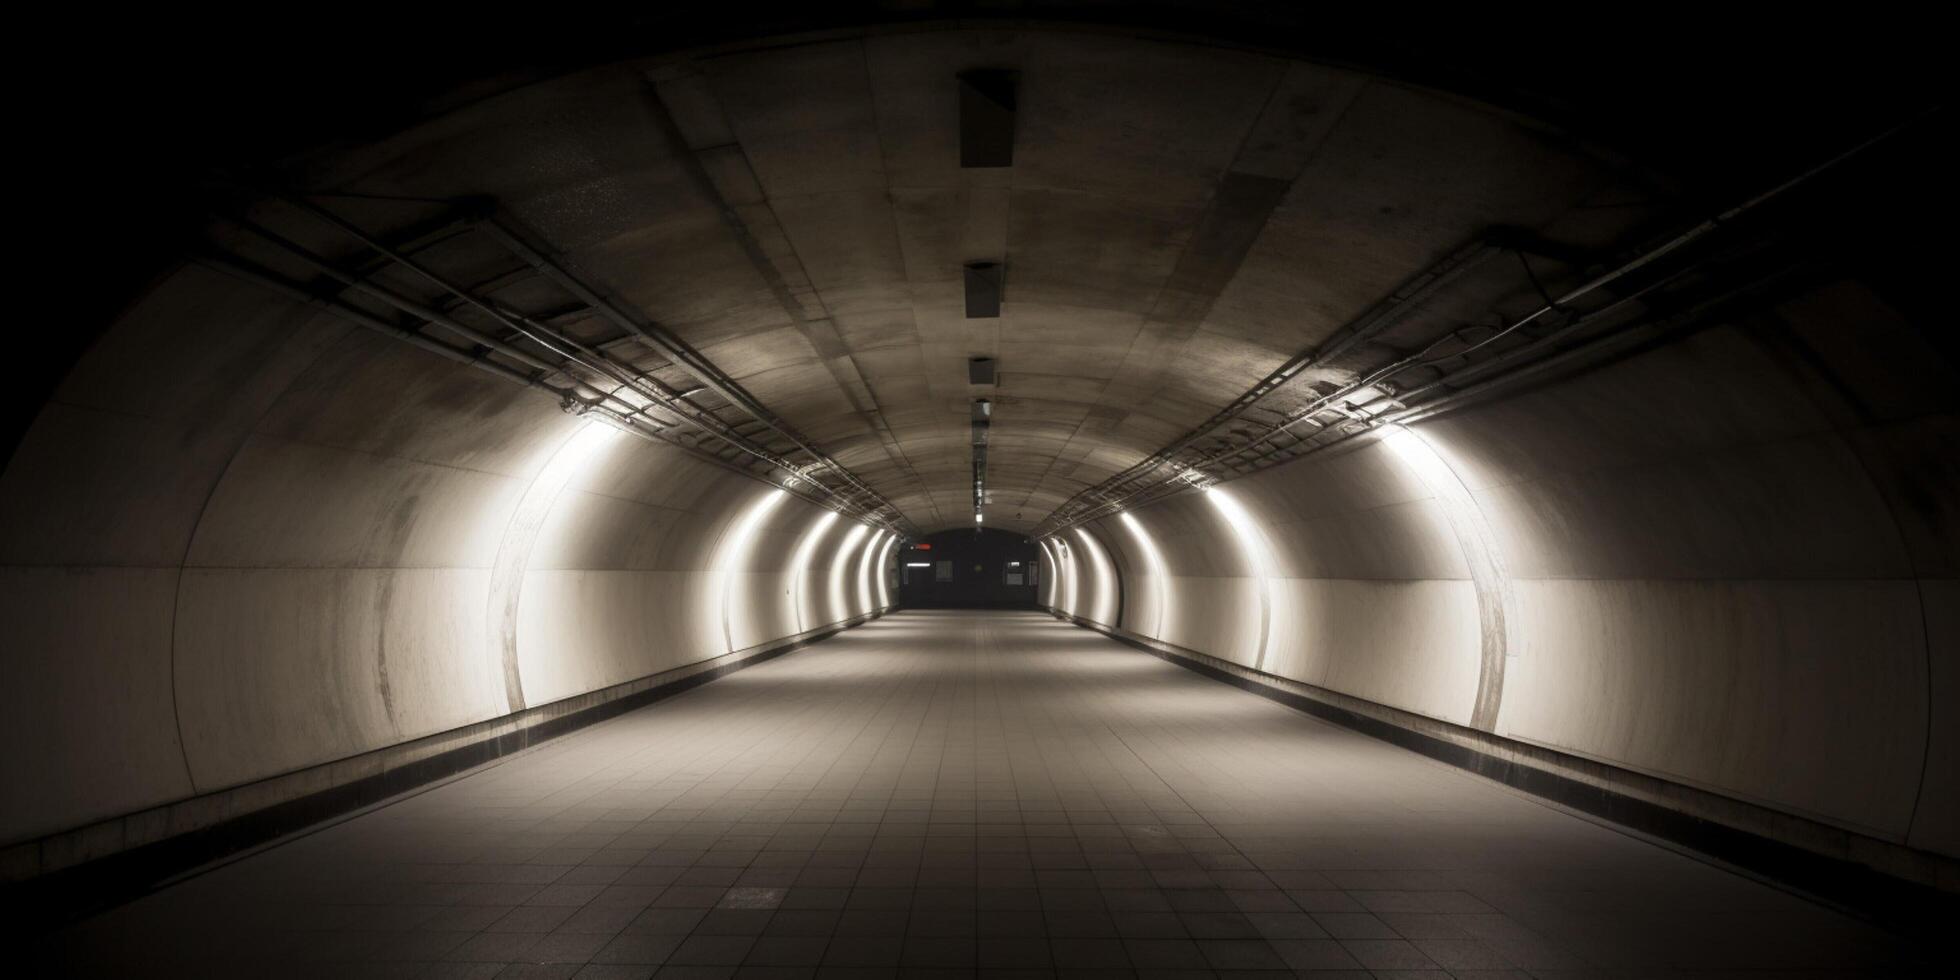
1510, 359
1579, 352
1371, 323
689, 360
1515, 365
1318, 405
239, 270
546, 337
404, 304
1306, 413
413, 308
1648, 257
1459, 396
565, 396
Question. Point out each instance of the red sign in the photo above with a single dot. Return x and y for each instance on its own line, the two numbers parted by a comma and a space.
922, 546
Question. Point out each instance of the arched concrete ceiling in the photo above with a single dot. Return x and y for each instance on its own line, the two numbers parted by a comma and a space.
1177, 221
1190, 204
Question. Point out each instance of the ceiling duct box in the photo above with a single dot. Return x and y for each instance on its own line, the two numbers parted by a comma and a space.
987, 103
983, 280
980, 371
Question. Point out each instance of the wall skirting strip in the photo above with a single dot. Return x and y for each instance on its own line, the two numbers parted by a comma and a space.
61, 877
1912, 890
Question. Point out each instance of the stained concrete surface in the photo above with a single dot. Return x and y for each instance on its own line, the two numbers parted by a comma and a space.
941, 792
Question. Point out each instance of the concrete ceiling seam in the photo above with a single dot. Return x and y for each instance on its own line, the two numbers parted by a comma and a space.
1271, 155
715, 160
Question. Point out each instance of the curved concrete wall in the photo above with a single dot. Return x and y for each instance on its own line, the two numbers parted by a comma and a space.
246, 539
1728, 562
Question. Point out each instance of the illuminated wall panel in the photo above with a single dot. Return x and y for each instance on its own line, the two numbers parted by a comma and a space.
1102, 594
804, 580
881, 572
737, 598
1152, 617
841, 592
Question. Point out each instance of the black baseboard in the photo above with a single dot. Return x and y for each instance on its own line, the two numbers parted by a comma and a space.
1903, 906
41, 904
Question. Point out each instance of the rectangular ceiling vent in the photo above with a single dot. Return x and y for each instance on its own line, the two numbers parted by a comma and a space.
987, 117
980, 371
982, 290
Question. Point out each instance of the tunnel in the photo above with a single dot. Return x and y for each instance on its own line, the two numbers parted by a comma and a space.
967, 490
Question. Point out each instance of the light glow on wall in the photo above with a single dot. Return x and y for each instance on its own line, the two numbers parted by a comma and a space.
1047, 594
1496, 605
1103, 589
1159, 576
840, 564
1067, 564
884, 580
1259, 561
799, 567
1058, 579
731, 560
872, 549
520, 538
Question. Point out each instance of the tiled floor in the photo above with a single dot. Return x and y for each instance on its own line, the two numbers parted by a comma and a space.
940, 793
